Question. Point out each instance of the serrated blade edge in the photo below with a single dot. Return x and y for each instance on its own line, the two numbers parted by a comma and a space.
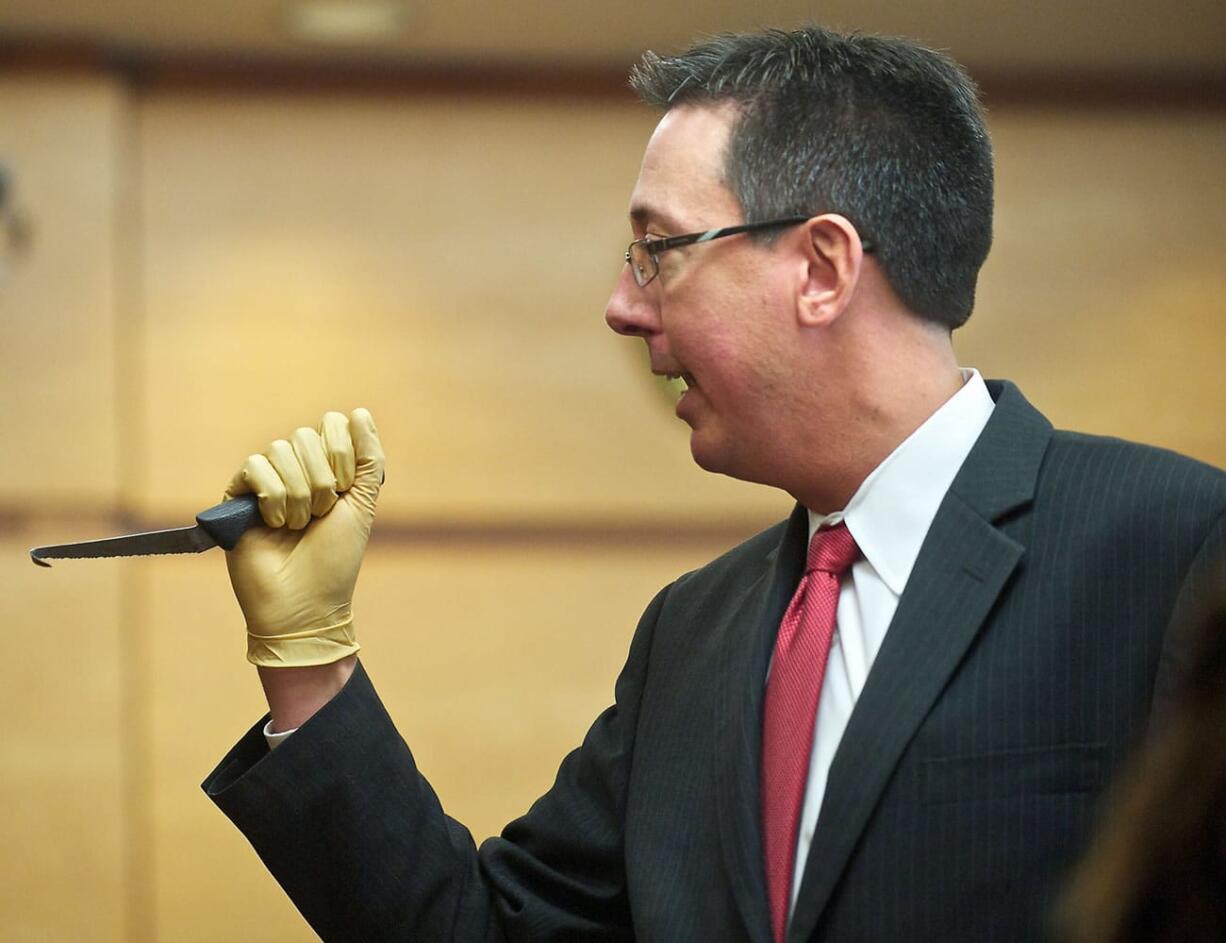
177, 540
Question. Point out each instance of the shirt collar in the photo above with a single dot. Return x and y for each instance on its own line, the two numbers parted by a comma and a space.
891, 511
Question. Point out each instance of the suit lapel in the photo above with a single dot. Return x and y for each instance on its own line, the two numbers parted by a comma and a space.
749, 633
963, 566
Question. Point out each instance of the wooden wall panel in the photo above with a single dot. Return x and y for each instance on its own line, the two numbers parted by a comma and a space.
493, 662
62, 141
1105, 295
302, 255
446, 264
202, 695
66, 868
63, 870
443, 263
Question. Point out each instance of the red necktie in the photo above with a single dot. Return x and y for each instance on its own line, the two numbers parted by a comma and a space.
796, 672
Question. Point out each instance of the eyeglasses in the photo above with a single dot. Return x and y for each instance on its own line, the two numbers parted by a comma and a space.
643, 255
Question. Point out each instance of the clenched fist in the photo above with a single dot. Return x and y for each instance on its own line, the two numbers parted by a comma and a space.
294, 579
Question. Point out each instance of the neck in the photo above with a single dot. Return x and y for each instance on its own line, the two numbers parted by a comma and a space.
887, 393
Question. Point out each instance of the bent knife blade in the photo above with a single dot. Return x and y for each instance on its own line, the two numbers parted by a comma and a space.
219, 526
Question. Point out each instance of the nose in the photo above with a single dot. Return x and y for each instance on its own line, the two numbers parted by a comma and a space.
631, 310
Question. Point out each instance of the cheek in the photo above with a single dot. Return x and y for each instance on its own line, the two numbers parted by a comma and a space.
733, 339
750, 353
735, 375
706, 346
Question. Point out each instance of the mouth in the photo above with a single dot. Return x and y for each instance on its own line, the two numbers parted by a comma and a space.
678, 379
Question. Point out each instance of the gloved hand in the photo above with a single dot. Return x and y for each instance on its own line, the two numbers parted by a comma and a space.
295, 582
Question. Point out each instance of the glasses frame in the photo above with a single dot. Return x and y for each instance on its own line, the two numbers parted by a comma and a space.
652, 248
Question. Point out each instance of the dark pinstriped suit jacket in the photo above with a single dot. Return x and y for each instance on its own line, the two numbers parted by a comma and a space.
1026, 655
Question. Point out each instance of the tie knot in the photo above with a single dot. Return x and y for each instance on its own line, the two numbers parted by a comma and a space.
832, 550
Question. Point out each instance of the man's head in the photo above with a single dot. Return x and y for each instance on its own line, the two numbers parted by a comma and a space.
806, 358
882, 131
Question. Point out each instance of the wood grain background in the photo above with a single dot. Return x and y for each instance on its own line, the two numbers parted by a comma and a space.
212, 267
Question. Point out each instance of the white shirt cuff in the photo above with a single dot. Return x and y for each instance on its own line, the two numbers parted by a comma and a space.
275, 739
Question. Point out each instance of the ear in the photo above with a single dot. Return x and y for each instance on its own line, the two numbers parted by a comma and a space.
833, 260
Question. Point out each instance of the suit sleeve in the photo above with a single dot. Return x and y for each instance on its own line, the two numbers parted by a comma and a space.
356, 836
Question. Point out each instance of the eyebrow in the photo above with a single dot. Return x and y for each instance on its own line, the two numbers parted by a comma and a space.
641, 214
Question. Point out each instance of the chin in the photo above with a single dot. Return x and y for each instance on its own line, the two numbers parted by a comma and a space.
719, 458
714, 456
706, 454
706, 462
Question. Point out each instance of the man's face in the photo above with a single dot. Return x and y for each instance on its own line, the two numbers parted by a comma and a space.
717, 313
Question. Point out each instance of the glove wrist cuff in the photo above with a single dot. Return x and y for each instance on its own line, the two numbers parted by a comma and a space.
302, 649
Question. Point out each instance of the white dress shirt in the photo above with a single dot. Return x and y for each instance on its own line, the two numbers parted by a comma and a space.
889, 516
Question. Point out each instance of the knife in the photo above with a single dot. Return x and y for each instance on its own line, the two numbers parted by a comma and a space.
219, 526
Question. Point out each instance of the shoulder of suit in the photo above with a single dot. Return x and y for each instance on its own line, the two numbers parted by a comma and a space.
1147, 477
1114, 451
743, 563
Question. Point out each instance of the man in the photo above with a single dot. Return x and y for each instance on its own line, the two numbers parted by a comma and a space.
887, 718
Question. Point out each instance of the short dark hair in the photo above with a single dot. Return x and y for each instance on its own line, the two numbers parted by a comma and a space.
881, 130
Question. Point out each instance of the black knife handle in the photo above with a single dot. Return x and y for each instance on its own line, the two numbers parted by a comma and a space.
228, 521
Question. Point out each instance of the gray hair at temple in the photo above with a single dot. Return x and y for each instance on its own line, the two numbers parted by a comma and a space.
883, 131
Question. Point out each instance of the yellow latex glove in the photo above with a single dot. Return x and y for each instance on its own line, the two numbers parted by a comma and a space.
295, 582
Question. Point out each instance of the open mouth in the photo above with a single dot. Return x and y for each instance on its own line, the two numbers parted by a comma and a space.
675, 383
